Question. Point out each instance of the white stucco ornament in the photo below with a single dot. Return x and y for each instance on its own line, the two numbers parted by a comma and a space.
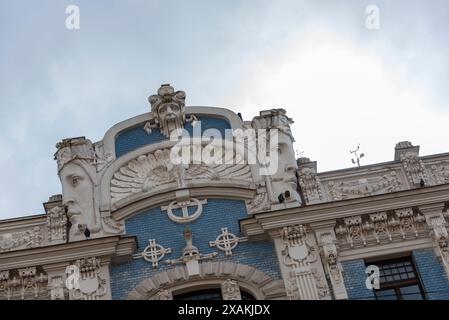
186, 217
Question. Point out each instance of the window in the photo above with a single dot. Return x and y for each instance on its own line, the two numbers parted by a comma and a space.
208, 294
398, 280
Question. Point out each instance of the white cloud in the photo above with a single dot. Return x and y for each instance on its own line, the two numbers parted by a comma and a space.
340, 94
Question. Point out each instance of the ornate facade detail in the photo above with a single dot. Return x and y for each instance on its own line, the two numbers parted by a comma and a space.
102, 158
330, 258
265, 287
364, 187
56, 286
299, 256
191, 255
274, 119
230, 290
92, 286
21, 240
147, 172
77, 171
409, 222
438, 226
109, 224
72, 149
414, 168
310, 185
163, 295
168, 111
23, 283
184, 206
259, 203
380, 227
57, 224
153, 253
440, 173
227, 241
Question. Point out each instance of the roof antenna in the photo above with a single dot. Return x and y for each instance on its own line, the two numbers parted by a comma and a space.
357, 157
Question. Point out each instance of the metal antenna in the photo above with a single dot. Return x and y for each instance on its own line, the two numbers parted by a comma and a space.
299, 153
357, 157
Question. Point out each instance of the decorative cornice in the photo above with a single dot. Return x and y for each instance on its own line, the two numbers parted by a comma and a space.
115, 247
264, 221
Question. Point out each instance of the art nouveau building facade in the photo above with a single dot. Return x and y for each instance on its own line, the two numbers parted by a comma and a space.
132, 223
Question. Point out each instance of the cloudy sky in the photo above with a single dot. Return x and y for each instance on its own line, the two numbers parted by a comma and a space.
341, 82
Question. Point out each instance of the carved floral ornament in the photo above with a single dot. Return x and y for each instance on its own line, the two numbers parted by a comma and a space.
440, 173
310, 184
147, 172
414, 167
381, 227
304, 282
340, 190
23, 283
21, 240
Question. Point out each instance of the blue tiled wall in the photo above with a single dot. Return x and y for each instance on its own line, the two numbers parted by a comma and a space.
431, 272
217, 213
355, 280
134, 138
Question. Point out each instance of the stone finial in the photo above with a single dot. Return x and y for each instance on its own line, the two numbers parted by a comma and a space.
73, 148
168, 108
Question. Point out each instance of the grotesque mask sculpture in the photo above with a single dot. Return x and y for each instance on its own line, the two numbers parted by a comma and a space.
77, 172
168, 107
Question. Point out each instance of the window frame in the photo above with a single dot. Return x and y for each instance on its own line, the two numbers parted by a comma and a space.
396, 285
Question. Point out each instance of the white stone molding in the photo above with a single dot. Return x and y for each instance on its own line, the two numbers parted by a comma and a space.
162, 295
340, 190
303, 280
230, 290
440, 173
439, 231
331, 261
227, 241
260, 202
380, 228
103, 158
310, 185
191, 255
56, 285
414, 168
153, 253
57, 225
92, 283
21, 239
111, 225
252, 280
184, 205
23, 283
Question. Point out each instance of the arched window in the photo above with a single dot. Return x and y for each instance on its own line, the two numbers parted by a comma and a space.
208, 294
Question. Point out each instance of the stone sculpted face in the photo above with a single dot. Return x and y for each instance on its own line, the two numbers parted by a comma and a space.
78, 197
168, 108
170, 116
